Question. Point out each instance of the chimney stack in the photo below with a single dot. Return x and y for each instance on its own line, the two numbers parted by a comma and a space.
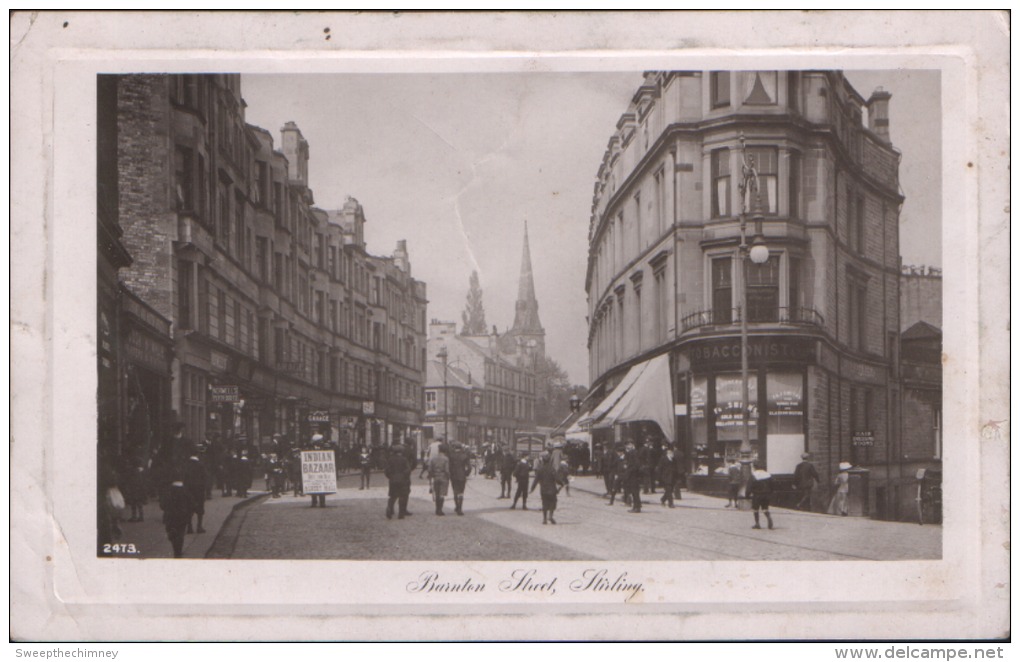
878, 114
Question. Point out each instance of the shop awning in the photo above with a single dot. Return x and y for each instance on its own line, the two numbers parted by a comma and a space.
614, 396
649, 398
577, 434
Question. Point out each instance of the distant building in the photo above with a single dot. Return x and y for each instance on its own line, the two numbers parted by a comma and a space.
920, 296
490, 397
279, 320
665, 283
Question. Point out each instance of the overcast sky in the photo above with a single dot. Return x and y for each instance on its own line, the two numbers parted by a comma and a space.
456, 163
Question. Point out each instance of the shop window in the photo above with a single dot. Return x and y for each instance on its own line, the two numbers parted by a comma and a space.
720, 88
760, 88
763, 290
766, 163
720, 183
722, 290
729, 413
785, 402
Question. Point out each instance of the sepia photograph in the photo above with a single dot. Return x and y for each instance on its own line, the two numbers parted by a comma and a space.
430, 326
714, 300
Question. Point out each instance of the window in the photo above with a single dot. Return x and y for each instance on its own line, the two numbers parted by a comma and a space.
794, 185
794, 308
185, 283
193, 393
637, 222
221, 314
857, 296
262, 258
660, 202
793, 90
722, 290
262, 183
720, 93
760, 88
766, 162
224, 214
661, 305
720, 183
185, 175
763, 290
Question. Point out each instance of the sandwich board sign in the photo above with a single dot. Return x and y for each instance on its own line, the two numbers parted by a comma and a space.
318, 472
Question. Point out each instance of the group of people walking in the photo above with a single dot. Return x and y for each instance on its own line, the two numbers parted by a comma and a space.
633, 470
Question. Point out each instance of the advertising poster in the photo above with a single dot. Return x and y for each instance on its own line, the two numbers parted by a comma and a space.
318, 472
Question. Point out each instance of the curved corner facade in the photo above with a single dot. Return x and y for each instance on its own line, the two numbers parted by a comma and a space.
665, 277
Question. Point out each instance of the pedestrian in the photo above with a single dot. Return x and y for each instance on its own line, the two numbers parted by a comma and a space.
318, 499
459, 470
805, 477
294, 467
563, 474
177, 515
439, 476
840, 504
398, 472
244, 475
506, 473
733, 473
618, 469
365, 463
134, 490
760, 489
632, 479
667, 472
194, 484
547, 477
277, 475
607, 466
522, 473
645, 466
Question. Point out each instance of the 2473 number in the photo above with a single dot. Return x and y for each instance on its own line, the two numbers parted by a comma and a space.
118, 548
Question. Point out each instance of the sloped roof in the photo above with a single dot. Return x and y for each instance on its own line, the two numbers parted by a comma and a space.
455, 377
921, 331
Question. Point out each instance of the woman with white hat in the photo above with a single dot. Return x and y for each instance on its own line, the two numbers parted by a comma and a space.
840, 504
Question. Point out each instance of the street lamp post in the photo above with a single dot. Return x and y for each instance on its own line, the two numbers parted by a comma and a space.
443, 355
759, 254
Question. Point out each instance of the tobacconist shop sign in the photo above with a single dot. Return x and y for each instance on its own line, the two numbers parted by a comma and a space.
761, 351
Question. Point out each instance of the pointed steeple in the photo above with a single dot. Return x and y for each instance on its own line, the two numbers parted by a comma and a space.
526, 320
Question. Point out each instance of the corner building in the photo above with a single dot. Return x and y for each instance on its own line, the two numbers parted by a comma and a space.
281, 320
664, 274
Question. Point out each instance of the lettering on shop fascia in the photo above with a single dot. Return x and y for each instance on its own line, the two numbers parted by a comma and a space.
759, 349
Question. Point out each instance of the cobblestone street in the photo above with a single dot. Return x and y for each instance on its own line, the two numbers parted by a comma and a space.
353, 526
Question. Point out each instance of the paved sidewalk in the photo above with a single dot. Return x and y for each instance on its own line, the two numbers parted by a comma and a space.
149, 536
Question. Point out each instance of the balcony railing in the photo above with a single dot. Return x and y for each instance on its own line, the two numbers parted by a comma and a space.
758, 315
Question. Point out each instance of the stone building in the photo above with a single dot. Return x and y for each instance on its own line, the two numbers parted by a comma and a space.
665, 281
281, 320
499, 393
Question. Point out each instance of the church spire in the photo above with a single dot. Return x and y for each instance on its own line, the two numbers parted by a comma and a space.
526, 315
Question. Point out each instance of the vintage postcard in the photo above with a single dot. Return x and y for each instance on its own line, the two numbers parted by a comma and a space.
617, 323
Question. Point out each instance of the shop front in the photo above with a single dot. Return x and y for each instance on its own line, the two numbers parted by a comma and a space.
709, 410
146, 373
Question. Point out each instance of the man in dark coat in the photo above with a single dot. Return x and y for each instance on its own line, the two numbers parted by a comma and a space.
668, 471
459, 470
805, 477
547, 476
607, 467
617, 468
398, 472
506, 473
194, 485
521, 474
244, 473
632, 479
177, 514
